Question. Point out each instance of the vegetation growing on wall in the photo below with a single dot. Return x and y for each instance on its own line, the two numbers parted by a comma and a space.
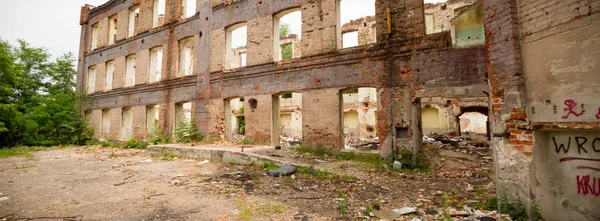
38, 102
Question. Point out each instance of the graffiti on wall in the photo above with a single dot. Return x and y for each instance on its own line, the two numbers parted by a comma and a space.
587, 181
570, 106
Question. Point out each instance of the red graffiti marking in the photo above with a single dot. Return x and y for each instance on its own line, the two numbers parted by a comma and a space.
584, 187
586, 167
598, 114
570, 105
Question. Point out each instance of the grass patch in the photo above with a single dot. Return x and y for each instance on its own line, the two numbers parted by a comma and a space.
371, 160
247, 211
24, 151
167, 155
342, 206
15, 152
316, 173
135, 144
268, 165
246, 142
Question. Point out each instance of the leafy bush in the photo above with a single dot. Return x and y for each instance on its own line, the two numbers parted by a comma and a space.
38, 101
247, 142
157, 136
513, 207
406, 157
135, 144
186, 132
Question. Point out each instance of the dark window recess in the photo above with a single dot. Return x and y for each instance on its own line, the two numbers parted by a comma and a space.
253, 103
402, 132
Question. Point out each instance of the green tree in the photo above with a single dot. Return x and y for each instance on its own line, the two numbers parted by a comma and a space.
38, 102
287, 52
284, 29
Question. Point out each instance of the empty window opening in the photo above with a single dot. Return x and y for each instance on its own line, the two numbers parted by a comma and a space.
235, 122
112, 29
110, 72
183, 114
430, 120
468, 26
158, 15
288, 30
94, 40
189, 8
473, 122
235, 54
355, 16
105, 125
91, 79
126, 123
155, 64
130, 72
152, 112
186, 56
359, 121
463, 19
287, 119
134, 13
350, 39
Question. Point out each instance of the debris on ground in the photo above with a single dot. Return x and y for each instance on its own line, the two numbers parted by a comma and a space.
284, 170
362, 143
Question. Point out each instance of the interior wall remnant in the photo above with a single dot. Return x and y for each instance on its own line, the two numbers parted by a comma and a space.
158, 16
156, 59
355, 27
110, 71
441, 16
126, 123
469, 26
91, 84
360, 118
152, 113
430, 118
130, 71
235, 46
105, 124
112, 29
134, 13
287, 119
186, 57
94, 39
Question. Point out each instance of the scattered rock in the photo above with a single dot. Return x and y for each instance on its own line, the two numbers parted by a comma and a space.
175, 182
397, 164
405, 210
201, 163
386, 214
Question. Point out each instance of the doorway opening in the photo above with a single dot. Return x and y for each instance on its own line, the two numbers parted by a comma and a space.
359, 118
235, 122
287, 119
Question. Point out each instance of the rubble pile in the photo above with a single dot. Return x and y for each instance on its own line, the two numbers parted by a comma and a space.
290, 141
362, 143
468, 143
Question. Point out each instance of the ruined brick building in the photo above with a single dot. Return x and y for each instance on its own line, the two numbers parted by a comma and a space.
149, 64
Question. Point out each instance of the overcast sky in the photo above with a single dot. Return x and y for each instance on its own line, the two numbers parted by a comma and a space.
54, 24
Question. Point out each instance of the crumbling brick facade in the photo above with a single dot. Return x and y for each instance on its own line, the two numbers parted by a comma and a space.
406, 65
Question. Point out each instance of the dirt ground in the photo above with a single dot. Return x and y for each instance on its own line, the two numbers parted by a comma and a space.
115, 184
